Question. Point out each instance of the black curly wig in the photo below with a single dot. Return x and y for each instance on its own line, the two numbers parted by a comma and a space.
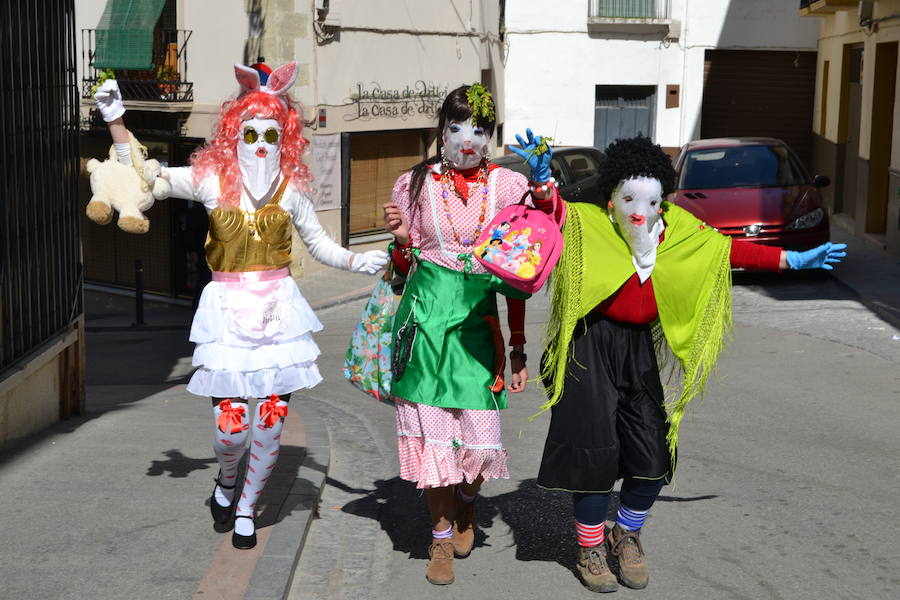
634, 157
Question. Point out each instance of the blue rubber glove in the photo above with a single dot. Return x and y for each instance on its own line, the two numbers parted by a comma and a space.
538, 162
819, 257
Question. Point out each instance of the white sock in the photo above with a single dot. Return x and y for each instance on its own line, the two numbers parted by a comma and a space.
229, 445
268, 420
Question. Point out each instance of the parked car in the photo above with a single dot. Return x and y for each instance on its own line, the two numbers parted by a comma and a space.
752, 189
575, 171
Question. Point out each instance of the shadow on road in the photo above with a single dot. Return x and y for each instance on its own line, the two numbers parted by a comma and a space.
791, 285
540, 520
284, 493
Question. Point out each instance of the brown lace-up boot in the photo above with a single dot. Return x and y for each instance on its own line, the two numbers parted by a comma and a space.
626, 547
440, 567
464, 528
593, 570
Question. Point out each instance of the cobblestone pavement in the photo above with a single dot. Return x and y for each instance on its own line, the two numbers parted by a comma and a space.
350, 556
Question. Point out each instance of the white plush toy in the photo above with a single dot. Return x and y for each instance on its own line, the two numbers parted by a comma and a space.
128, 189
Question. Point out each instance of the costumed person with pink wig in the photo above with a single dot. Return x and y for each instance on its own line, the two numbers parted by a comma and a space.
253, 328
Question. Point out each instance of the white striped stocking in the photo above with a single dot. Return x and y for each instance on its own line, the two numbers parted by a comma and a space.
228, 444
268, 420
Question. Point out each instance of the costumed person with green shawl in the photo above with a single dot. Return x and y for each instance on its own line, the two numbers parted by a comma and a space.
448, 357
638, 278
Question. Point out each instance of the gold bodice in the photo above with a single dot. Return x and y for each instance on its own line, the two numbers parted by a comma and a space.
241, 241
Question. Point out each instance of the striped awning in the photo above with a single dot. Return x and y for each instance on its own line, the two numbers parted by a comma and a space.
125, 34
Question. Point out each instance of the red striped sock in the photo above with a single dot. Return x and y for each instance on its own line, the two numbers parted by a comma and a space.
590, 535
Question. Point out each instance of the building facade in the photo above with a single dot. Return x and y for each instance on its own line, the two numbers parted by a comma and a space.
372, 75
856, 122
590, 71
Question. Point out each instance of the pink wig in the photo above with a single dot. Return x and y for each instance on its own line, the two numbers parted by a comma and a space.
219, 156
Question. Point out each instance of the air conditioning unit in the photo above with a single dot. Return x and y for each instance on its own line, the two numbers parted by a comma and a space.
865, 11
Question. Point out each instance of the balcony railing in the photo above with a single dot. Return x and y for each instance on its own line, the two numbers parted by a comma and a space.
629, 9
165, 81
817, 7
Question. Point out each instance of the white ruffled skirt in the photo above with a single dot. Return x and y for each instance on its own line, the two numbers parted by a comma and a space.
253, 339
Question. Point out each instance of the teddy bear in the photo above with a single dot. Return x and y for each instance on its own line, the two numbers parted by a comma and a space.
128, 189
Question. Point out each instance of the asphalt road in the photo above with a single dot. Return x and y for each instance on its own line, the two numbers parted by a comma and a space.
786, 489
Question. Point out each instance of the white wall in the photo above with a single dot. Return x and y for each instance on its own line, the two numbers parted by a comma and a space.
87, 15
217, 42
551, 79
419, 15
763, 24
381, 44
554, 63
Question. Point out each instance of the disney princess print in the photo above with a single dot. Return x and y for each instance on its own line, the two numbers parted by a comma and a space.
517, 251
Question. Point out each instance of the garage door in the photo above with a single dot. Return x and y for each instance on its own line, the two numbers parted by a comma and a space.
760, 93
376, 161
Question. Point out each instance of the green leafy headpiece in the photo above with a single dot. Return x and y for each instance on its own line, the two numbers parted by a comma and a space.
481, 102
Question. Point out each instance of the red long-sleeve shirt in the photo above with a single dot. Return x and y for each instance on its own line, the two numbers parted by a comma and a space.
636, 303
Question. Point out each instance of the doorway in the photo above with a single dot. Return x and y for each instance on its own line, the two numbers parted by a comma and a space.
882, 130
623, 111
851, 109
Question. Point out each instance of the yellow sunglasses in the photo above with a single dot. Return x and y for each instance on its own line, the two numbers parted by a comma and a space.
251, 135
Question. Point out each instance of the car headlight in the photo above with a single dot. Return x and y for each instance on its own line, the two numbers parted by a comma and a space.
808, 220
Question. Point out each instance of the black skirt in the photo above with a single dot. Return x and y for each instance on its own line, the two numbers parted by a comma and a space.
610, 422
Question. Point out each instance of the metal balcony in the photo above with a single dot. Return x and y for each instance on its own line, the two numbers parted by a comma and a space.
164, 86
631, 17
819, 7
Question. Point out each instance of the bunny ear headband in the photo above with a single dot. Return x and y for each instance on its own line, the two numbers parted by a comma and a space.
277, 84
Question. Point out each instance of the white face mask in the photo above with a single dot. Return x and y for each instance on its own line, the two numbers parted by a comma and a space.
636, 206
465, 144
259, 159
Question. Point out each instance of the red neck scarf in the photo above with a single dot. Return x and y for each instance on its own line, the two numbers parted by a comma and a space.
462, 179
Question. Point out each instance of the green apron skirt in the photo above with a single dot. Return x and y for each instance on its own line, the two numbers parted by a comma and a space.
447, 334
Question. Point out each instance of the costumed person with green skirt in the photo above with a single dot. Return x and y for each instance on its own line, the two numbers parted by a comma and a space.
448, 356
641, 285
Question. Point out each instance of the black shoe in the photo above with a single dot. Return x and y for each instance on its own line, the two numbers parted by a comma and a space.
220, 514
243, 542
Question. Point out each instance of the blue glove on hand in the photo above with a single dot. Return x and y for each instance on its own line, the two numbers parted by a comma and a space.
819, 257
537, 154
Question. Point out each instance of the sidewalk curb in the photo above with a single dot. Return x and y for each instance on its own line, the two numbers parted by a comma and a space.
883, 311
274, 571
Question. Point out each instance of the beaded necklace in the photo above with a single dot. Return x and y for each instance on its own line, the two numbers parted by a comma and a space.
446, 186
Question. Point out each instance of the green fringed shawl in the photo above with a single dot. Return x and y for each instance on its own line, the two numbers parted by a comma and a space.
691, 282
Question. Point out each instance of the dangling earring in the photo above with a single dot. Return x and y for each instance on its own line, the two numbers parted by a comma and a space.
445, 164
487, 155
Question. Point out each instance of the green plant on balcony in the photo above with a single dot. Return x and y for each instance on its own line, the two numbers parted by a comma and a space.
165, 74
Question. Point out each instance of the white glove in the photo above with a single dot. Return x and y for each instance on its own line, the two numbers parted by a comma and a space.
109, 100
369, 262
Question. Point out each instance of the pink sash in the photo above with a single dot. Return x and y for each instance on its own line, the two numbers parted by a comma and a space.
251, 276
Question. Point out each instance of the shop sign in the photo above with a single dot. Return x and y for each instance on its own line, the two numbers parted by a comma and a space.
420, 99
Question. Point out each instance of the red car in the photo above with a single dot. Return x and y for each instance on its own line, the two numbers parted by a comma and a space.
752, 189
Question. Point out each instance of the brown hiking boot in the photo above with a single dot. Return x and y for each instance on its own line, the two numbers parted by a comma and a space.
440, 567
464, 528
593, 570
626, 547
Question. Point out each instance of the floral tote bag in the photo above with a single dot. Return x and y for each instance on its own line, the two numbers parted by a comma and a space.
367, 364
